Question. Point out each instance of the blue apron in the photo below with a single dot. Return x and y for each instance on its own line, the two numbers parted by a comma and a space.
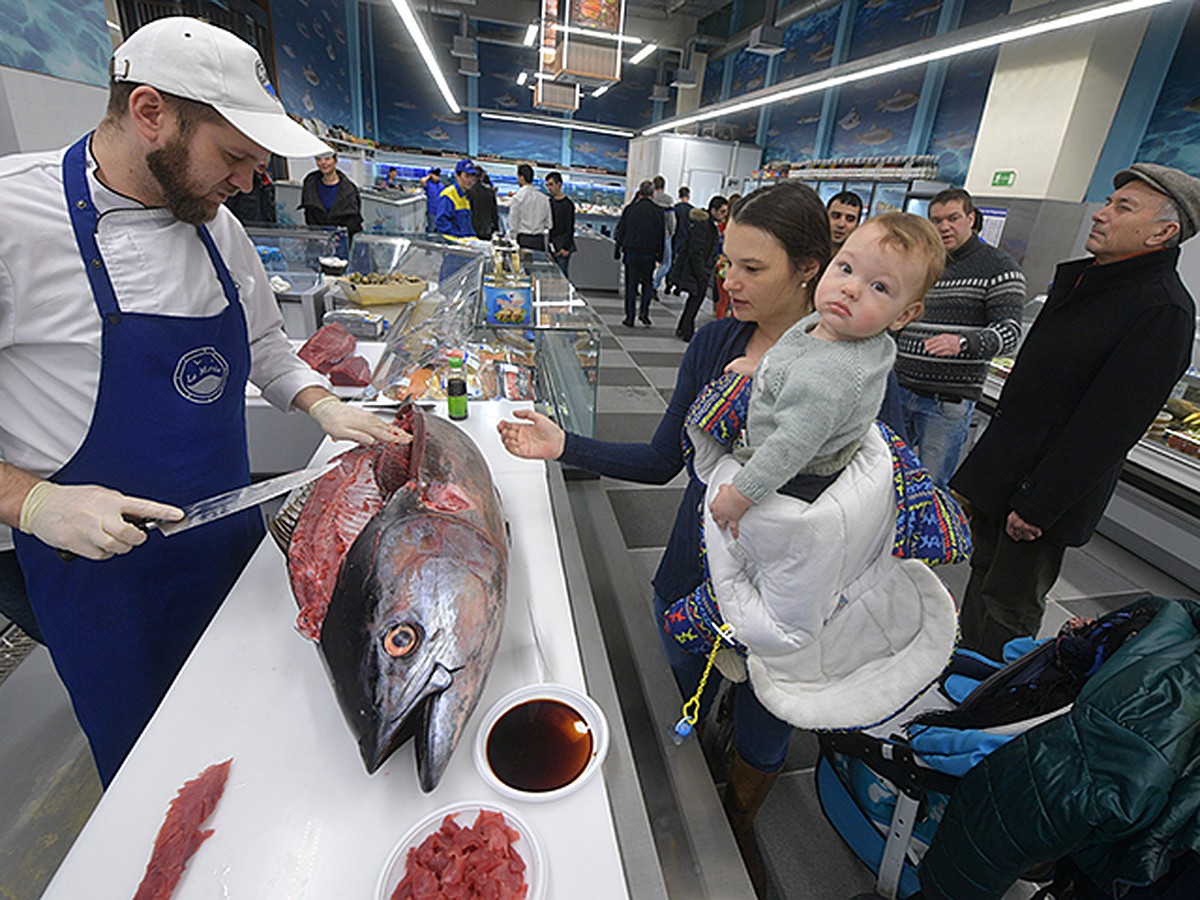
170, 425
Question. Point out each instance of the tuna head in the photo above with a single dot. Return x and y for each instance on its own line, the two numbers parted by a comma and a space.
412, 629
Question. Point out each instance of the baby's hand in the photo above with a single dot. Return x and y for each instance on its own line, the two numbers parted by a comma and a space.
729, 507
742, 366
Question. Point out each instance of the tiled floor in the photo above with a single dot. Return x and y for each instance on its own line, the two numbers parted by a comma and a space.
48, 785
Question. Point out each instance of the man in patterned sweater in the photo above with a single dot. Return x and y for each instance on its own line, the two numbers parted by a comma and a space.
972, 313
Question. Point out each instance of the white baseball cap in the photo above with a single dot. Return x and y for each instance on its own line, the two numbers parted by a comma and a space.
197, 61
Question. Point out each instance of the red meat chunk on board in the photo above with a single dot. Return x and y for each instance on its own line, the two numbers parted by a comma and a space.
180, 835
329, 346
351, 372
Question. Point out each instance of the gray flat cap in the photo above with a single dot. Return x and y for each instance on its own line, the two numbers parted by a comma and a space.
1181, 187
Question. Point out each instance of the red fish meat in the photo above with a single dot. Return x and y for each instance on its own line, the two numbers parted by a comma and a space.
479, 861
351, 372
327, 347
180, 835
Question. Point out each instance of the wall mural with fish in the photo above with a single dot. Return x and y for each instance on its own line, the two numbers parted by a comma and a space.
875, 117
714, 74
964, 93
500, 65
599, 151
627, 103
1172, 137
886, 24
511, 140
310, 59
412, 113
792, 130
64, 38
808, 44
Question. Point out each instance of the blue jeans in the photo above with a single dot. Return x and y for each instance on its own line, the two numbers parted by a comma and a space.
665, 267
937, 430
759, 737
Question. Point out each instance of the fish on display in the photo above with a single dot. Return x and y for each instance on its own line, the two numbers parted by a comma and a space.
437, 134
585, 147
809, 120
823, 55
850, 120
898, 102
753, 83
317, 29
288, 50
307, 101
302, 28
450, 118
330, 52
922, 11
311, 76
399, 561
873, 136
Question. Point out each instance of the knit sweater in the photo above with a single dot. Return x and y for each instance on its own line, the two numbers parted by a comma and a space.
980, 297
812, 403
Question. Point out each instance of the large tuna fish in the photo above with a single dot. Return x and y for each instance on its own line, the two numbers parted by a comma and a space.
406, 547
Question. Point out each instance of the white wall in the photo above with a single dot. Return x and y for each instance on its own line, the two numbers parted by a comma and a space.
41, 112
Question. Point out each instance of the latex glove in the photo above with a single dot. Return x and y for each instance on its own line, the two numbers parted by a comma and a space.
88, 520
344, 422
541, 439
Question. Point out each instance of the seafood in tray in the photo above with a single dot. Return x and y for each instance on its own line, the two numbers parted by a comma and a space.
398, 559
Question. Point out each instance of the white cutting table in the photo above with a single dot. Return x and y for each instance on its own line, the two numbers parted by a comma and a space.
300, 818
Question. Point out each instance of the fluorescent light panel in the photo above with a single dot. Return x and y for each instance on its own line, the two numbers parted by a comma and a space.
642, 54
522, 78
1070, 20
602, 35
531, 34
418, 37
573, 124
600, 91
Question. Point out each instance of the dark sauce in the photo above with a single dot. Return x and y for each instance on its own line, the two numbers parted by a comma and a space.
539, 745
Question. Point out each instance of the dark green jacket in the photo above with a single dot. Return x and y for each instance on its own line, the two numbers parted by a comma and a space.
1114, 783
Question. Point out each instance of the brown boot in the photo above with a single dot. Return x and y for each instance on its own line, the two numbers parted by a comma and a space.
745, 792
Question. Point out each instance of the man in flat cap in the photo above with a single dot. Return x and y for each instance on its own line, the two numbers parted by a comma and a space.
133, 311
1112, 339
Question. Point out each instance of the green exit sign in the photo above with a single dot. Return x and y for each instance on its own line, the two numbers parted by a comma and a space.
1004, 178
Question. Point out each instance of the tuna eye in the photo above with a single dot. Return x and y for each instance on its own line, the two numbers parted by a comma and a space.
401, 640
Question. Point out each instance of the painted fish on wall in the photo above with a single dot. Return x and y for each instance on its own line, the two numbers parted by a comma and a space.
399, 561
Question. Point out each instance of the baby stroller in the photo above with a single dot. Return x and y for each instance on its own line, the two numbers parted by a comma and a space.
902, 799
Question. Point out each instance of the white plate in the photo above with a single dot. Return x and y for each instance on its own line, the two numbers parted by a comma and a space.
580, 702
527, 845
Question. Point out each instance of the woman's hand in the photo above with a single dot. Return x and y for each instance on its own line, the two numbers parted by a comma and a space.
540, 439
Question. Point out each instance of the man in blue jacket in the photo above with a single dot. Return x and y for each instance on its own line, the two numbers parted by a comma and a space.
432, 183
453, 211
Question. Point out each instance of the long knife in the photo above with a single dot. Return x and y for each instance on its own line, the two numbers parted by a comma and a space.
227, 503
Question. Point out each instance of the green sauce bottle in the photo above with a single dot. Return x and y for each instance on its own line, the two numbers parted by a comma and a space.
456, 389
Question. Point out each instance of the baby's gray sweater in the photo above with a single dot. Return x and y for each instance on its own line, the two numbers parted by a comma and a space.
812, 403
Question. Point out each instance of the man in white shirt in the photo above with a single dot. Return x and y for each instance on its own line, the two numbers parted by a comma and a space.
529, 212
133, 310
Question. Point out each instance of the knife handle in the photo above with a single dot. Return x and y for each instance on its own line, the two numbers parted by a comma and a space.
136, 521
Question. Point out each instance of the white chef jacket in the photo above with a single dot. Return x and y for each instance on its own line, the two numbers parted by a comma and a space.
529, 211
50, 327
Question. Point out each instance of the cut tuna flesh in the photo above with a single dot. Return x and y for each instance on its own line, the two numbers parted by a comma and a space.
180, 835
329, 346
351, 372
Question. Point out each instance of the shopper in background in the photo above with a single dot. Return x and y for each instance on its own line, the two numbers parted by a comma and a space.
431, 183
485, 212
529, 217
562, 214
667, 204
1111, 341
693, 267
683, 223
452, 215
329, 197
125, 397
640, 239
785, 236
720, 295
845, 214
257, 205
972, 314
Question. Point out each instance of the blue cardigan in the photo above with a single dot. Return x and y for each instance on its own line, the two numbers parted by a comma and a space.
712, 348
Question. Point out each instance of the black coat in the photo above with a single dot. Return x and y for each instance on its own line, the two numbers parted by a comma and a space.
1095, 368
485, 211
256, 206
346, 211
692, 269
641, 229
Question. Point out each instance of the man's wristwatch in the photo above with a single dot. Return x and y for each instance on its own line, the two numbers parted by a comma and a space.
962, 343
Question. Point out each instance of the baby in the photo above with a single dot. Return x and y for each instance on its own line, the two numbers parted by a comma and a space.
819, 388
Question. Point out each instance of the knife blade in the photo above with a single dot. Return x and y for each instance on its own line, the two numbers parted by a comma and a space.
229, 502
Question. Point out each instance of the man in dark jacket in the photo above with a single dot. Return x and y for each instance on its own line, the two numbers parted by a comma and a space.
640, 235
694, 264
328, 197
562, 215
485, 211
1112, 339
683, 224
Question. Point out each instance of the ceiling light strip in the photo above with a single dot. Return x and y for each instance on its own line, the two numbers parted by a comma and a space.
418, 37
782, 92
601, 35
642, 54
573, 124
531, 34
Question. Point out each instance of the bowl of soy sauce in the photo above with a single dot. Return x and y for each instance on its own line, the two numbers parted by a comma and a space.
541, 742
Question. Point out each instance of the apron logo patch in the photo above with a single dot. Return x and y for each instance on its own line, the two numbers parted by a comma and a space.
201, 375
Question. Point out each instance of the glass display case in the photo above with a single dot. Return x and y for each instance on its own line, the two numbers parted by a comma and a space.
292, 258
551, 357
